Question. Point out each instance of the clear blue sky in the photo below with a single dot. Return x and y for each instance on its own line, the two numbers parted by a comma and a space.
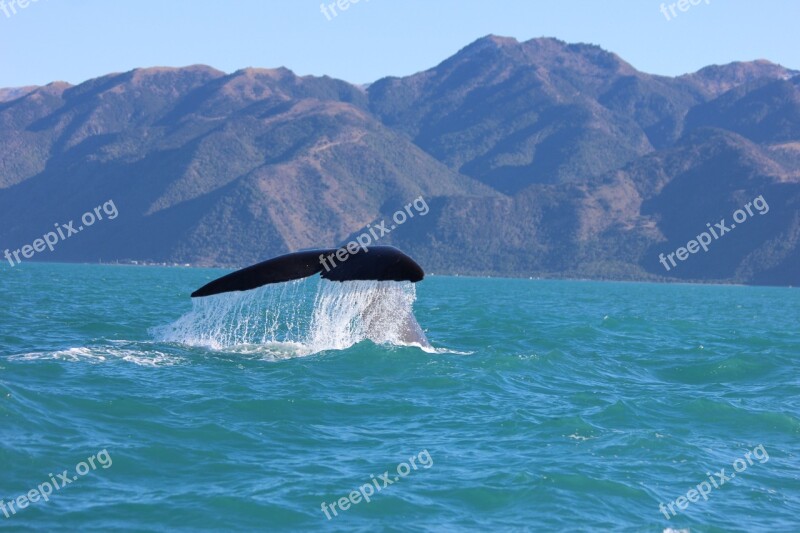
74, 40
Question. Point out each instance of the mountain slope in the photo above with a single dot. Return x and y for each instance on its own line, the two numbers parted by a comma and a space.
536, 158
284, 163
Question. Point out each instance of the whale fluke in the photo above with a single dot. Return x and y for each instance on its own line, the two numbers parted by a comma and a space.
379, 263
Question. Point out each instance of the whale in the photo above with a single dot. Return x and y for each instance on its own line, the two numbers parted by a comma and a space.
376, 263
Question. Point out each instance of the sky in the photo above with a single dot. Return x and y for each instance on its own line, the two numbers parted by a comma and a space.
76, 40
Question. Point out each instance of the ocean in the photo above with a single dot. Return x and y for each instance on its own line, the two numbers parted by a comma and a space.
539, 405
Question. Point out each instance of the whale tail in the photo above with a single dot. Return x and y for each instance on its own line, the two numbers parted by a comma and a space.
378, 263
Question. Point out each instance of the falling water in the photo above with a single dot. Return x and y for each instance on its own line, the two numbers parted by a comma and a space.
307, 316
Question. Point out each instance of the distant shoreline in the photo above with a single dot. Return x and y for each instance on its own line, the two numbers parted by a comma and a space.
539, 277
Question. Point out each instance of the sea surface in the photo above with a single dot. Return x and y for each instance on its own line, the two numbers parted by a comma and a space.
540, 405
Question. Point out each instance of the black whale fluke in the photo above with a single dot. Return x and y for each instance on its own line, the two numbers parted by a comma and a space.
379, 263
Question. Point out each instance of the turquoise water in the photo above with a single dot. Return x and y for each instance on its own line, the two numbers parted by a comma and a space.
545, 405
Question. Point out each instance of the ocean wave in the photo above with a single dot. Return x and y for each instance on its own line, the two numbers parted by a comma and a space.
102, 354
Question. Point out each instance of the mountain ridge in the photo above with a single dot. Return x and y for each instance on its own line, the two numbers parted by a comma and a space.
537, 158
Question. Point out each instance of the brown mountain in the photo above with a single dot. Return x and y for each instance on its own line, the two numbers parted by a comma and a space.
208, 168
536, 158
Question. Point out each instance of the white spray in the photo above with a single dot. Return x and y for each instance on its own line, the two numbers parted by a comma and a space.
308, 315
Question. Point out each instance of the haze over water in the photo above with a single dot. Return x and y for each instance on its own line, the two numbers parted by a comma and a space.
545, 405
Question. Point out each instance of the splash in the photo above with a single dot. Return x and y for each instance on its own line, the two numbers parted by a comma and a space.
349, 312
301, 317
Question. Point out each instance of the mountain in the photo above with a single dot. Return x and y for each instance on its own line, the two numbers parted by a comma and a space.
510, 114
715, 80
765, 111
537, 158
205, 167
12, 93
